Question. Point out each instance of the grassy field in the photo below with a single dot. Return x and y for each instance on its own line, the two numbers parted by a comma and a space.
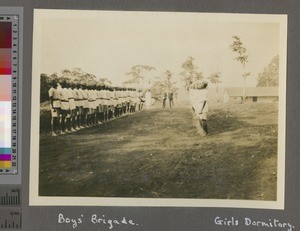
159, 154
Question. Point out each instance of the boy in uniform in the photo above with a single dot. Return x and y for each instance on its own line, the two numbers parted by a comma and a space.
99, 104
72, 97
65, 106
55, 106
95, 104
79, 105
111, 103
85, 105
90, 106
103, 103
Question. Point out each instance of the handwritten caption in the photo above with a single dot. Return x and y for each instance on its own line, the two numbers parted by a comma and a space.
273, 224
95, 219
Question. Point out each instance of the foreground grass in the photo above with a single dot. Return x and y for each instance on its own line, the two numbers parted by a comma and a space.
159, 153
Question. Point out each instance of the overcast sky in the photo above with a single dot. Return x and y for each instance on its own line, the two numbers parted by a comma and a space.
108, 44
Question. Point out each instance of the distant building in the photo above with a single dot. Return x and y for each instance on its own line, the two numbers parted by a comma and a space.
254, 94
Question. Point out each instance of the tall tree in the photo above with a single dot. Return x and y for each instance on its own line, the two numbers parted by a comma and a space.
157, 88
163, 84
190, 72
270, 75
238, 47
215, 78
170, 84
137, 75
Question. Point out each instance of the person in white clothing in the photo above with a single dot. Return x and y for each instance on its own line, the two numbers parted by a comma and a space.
65, 106
55, 106
148, 99
200, 105
72, 114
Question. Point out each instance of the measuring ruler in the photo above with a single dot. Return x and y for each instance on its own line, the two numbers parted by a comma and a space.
10, 218
10, 207
10, 195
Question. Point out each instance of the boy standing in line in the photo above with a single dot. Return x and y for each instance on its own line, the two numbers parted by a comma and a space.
55, 107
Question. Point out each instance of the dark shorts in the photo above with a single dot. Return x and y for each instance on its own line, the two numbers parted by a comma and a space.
79, 110
64, 112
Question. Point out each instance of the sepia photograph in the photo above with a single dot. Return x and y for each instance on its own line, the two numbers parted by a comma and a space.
158, 109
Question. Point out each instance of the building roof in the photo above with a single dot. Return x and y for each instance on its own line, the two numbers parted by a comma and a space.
252, 91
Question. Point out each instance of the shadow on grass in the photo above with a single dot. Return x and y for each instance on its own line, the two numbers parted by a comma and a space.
220, 122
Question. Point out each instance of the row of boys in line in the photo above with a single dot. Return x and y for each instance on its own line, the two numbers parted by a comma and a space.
76, 106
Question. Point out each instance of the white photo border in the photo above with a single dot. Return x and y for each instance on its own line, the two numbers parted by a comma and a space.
36, 200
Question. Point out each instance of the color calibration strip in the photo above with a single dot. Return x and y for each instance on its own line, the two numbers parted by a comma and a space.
9, 50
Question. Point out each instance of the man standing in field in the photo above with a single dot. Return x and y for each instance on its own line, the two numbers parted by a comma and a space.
141, 100
55, 107
171, 98
164, 99
202, 108
148, 99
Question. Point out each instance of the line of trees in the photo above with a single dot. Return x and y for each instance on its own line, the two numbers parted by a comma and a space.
167, 83
157, 85
190, 72
189, 75
73, 75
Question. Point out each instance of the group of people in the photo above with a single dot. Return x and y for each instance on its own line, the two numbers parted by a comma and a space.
170, 96
198, 100
75, 106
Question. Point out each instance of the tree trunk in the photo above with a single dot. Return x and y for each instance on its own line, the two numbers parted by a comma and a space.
244, 85
217, 93
244, 90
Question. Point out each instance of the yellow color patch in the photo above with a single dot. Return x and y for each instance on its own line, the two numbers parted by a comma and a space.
5, 164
